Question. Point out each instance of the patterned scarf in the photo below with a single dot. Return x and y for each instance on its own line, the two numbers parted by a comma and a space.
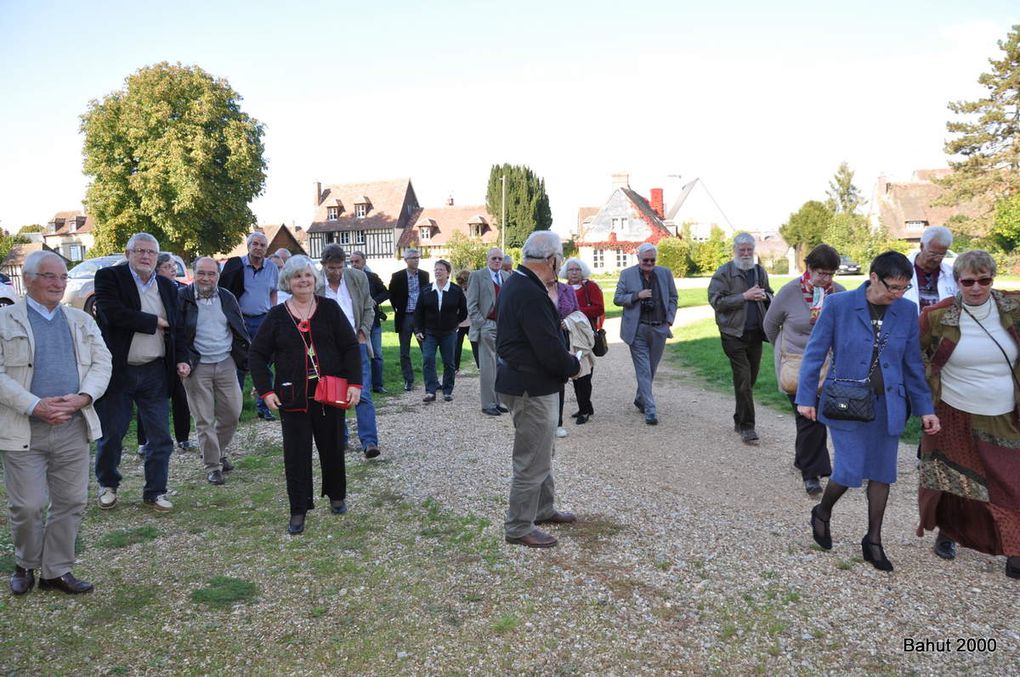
814, 297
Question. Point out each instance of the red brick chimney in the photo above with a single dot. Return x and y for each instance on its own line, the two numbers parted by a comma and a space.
656, 203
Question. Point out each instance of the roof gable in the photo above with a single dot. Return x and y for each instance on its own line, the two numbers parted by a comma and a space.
389, 204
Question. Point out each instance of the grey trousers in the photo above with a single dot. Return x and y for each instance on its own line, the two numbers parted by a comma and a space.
487, 364
645, 353
215, 402
52, 473
531, 490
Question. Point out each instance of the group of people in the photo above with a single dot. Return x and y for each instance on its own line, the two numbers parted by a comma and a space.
312, 343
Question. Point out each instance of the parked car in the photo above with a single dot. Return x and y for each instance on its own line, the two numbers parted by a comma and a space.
80, 292
848, 267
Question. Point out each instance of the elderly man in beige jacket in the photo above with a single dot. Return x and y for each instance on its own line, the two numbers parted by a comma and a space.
46, 422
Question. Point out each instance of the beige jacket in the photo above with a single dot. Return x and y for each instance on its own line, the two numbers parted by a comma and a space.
582, 338
17, 353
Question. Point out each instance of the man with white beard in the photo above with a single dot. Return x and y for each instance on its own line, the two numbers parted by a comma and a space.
740, 294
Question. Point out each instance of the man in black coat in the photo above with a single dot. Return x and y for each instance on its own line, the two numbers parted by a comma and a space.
380, 294
405, 287
137, 313
533, 364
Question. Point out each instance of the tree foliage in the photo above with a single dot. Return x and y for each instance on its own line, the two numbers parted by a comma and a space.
985, 146
844, 196
708, 255
1007, 222
466, 253
9, 242
172, 154
807, 227
851, 235
527, 204
32, 228
675, 254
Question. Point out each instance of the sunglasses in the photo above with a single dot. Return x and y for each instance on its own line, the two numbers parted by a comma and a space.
647, 260
983, 281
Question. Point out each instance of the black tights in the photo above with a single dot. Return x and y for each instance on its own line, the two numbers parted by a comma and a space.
878, 496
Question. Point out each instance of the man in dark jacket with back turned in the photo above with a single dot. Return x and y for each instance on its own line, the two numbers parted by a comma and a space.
533, 365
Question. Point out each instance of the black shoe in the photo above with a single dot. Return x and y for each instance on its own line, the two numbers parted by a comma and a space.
874, 553
67, 584
824, 539
812, 486
338, 507
296, 525
749, 437
431, 397
22, 580
575, 414
380, 390
581, 419
227, 465
945, 547
491, 411
267, 416
371, 451
215, 477
408, 386
639, 406
502, 409
1013, 567
651, 420
447, 398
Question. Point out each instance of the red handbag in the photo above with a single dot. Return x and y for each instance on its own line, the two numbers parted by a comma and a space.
332, 392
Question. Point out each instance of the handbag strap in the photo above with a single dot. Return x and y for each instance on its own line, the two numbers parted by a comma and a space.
881, 346
997, 344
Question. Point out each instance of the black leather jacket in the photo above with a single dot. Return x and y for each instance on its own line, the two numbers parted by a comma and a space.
187, 308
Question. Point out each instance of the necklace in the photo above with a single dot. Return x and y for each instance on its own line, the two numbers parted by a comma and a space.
301, 316
974, 311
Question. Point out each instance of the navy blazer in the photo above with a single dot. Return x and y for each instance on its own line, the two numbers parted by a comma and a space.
844, 326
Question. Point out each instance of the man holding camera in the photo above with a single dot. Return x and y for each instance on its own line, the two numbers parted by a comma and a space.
647, 294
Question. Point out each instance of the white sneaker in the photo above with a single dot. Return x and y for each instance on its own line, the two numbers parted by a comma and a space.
142, 448
561, 432
159, 504
107, 497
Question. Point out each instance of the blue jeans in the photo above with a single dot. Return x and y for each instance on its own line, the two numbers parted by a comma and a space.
377, 363
368, 434
146, 386
447, 345
252, 324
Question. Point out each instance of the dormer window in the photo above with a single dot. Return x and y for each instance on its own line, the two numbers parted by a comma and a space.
425, 232
332, 213
361, 210
475, 229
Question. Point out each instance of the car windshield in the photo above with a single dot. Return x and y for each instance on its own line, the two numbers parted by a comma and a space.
845, 259
87, 269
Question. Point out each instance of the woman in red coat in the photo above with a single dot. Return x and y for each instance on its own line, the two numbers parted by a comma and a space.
591, 303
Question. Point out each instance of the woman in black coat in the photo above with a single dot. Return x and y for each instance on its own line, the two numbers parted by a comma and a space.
440, 309
303, 338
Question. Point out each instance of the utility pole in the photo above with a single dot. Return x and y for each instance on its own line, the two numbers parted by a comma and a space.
502, 217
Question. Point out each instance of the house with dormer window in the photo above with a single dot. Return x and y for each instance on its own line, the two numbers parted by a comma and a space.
70, 234
436, 226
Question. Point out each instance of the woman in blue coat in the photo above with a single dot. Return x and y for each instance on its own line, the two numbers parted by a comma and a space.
872, 331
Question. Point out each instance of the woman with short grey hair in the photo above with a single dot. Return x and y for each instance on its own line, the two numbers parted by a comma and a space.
590, 302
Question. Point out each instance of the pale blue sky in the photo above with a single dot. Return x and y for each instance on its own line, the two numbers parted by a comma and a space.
760, 100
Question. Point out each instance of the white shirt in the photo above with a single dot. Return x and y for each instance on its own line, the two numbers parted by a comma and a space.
440, 291
975, 378
343, 298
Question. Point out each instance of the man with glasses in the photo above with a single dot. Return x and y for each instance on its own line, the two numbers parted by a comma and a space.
137, 313
933, 275
405, 286
648, 296
740, 295
483, 290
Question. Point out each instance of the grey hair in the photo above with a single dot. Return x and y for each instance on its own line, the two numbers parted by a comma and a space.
508, 259
282, 253
333, 252
646, 247
542, 244
743, 238
35, 259
295, 265
163, 258
974, 261
937, 235
138, 237
411, 251
252, 236
194, 264
358, 252
585, 270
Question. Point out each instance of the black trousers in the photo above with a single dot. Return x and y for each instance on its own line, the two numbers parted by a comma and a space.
745, 358
300, 428
811, 451
405, 334
461, 333
582, 391
181, 415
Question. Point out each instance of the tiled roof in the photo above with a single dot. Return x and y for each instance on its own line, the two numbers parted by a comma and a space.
386, 204
64, 220
19, 252
278, 236
902, 202
445, 221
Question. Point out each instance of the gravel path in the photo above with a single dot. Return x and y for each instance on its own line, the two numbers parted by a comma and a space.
702, 545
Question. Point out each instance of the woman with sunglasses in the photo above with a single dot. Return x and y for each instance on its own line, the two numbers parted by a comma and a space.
970, 473
873, 335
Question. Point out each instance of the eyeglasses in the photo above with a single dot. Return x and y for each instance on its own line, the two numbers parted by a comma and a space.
896, 289
647, 260
983, 281
50, 277
823, 273
144, 252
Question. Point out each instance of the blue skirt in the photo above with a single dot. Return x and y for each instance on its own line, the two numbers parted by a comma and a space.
867, 452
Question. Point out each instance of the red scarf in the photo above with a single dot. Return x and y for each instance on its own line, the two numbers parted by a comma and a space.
808, 290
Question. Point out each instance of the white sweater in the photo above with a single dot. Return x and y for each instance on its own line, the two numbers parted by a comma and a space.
976, 379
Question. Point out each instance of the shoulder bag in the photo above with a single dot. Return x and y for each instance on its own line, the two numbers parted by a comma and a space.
601, 346
852, 399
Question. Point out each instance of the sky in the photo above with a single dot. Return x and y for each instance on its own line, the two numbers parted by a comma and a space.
761, 101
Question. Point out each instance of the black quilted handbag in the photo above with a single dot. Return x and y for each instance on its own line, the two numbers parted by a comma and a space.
851, 399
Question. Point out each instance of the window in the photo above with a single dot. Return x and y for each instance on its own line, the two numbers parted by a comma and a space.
621, 258
351, 237
361, 210
598, 259
619, 224
475, 229
425, 233
916, 225
332, 213
76, 252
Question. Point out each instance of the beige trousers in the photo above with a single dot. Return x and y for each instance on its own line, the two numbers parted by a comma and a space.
47, 491
214, 398
531, 490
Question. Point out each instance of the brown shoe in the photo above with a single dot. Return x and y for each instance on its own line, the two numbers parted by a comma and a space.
22, 580
536, 539
558, 518
66, 583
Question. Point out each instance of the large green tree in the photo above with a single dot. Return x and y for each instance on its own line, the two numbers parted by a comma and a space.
844, 196
807, 227
984, 148
527, 204
172, 154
